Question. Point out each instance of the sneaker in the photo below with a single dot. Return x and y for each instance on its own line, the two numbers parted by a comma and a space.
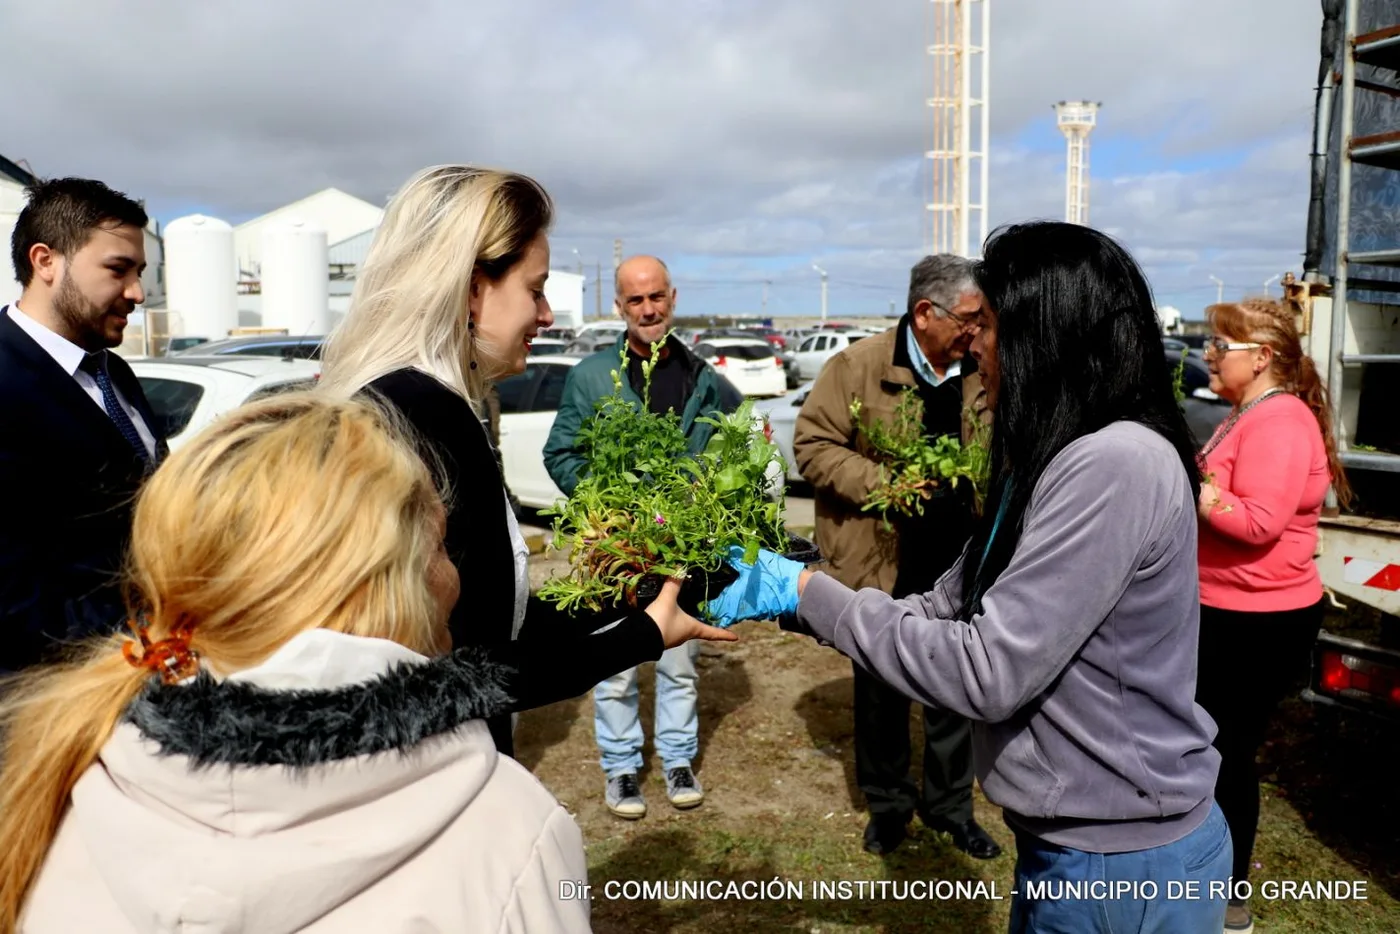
624, 796
683, 788
1238, 920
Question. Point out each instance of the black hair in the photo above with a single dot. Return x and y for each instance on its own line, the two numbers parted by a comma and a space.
62, 213
1078, 347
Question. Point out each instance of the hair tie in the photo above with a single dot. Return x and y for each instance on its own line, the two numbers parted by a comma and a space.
171, 657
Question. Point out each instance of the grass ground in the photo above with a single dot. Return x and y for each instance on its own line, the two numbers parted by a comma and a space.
776, 762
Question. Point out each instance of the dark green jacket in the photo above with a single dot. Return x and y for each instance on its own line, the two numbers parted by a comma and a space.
591, 380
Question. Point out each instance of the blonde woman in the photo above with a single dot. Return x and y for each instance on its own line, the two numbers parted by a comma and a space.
1269, 466
449, 298
280, 744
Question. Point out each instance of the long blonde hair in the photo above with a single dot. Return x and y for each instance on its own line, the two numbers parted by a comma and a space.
1274, 324
290, 513
448, 224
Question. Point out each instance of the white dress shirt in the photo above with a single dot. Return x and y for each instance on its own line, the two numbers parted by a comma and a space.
69, 356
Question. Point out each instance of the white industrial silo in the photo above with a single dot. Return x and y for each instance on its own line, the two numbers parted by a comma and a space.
201, 276
295, 277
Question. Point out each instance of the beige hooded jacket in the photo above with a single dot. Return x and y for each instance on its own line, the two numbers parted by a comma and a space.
344, 785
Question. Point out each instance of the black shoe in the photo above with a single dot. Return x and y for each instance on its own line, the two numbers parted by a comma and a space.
885, 833
967, 836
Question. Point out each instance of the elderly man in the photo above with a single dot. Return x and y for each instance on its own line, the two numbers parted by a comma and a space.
683, 383
924, 353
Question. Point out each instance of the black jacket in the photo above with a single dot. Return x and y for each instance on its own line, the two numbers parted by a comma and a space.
557, 656
70, 480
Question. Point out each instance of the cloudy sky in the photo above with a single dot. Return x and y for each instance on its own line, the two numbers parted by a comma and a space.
742, 140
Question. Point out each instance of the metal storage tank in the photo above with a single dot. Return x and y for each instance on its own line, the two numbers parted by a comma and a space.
295, 276
201, 276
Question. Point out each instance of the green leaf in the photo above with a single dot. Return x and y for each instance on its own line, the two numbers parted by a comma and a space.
729, 479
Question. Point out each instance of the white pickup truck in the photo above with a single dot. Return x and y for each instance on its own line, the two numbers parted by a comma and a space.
1349, 308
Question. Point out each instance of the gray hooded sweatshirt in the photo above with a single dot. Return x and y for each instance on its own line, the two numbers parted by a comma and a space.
1080, 671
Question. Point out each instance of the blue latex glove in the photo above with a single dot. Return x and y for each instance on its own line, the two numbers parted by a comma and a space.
766, 589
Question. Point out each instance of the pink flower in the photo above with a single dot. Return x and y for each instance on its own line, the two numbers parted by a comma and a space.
660, 519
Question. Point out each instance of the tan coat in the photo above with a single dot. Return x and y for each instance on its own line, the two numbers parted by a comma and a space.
859, 551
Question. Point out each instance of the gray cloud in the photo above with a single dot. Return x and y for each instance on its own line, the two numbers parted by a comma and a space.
745, 138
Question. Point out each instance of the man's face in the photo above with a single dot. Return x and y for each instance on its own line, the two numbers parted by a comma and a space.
945, 335
99, 286
647, 301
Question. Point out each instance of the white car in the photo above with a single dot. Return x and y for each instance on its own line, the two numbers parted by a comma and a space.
187, 393
529, 402
815, 349
549, 346
782, 423
748, 362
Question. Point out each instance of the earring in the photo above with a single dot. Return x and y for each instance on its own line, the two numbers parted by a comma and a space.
471, 324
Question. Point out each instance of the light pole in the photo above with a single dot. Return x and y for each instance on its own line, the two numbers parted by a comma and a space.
766, 284
578, 256
1270, 281
822, 272
1219, 290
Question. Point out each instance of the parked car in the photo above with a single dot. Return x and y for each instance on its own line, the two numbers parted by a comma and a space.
771, 335
548, 346
260, 345
1173, 344
186, 393
177, 344
586, 344
529, 402
563, 334
1204, 409
748, 362
815, 349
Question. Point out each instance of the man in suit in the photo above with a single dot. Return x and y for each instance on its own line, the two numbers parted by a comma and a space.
77, 436
925, 353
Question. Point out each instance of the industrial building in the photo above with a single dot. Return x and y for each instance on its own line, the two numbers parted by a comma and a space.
291, 269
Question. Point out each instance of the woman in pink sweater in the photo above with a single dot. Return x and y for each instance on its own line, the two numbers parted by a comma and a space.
1268, 468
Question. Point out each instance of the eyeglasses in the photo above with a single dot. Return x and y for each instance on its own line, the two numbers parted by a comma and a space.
1221, 346
968, 321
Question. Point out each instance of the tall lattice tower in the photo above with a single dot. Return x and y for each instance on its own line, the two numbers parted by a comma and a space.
959, 48
1077, 120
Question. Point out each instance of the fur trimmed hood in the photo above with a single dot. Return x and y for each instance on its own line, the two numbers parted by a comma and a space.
346, 784
237, 722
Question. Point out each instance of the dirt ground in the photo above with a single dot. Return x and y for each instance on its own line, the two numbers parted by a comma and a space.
781, 802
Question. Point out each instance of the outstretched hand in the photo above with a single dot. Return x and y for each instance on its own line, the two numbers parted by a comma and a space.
676, 625
766, 589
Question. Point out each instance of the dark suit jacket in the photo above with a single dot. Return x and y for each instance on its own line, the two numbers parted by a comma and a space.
69, 480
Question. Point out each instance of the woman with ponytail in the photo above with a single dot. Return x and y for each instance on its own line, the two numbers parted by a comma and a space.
282, 742
1268, 467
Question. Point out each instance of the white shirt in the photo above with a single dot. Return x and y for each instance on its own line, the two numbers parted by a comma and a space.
521, 554
916, 355
69, 356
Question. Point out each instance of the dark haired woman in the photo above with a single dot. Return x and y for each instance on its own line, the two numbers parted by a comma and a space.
1068, 631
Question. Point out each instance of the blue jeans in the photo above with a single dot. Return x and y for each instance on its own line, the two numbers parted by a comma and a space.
1202, 856
618, 726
